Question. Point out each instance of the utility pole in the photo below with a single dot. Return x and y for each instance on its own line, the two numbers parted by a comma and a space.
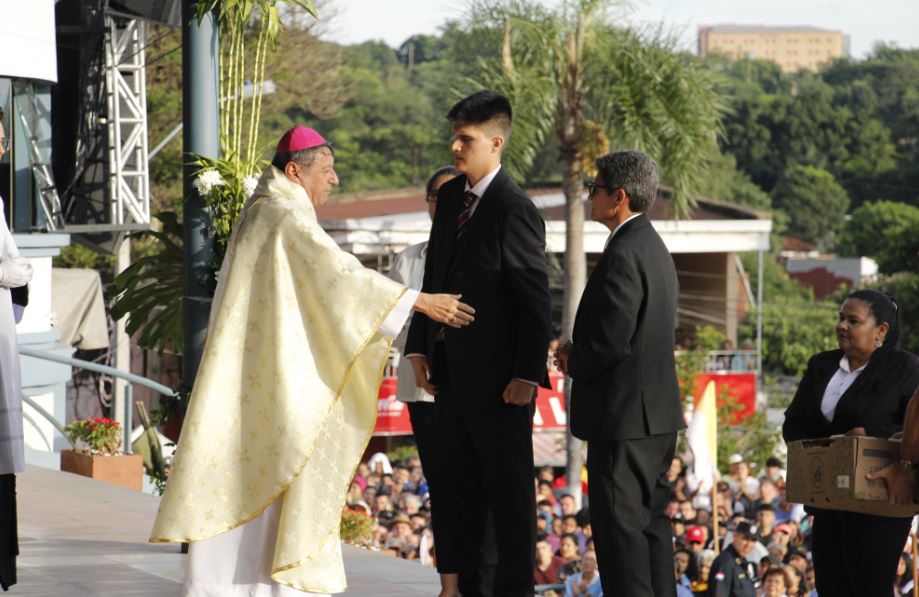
200, 136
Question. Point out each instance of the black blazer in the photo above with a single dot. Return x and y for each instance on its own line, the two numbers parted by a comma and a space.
876, 400
622, 367
499, 268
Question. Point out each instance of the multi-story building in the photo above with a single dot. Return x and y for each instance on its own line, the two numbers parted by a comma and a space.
792, 48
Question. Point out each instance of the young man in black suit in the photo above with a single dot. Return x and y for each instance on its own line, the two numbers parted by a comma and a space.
624, 396
487, 244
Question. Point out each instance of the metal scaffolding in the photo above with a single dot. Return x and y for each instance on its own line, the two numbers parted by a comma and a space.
126, 89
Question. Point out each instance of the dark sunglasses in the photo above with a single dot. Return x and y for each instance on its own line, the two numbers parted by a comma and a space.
592, 187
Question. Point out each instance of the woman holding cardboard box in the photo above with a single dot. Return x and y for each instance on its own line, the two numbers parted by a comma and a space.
860, 389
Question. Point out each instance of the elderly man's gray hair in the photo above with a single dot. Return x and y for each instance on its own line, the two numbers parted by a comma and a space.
635, 173
304, 157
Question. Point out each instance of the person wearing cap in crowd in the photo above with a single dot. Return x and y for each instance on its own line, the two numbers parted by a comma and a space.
696, 538
732, 575
402, 538
285, 398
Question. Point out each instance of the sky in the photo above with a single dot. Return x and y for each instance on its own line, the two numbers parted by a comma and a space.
865, 22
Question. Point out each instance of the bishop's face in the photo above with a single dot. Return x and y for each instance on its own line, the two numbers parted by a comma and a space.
318, 178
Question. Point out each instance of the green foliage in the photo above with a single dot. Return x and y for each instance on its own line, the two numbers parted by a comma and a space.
792, 333
814, 202
356, 527
402, 453
575, 75
78, 256
149, 292
886, 231
753, 437
904, 287
725, 182
857, 119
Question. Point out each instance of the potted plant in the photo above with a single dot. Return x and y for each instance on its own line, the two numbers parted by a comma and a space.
356, 526
97, 453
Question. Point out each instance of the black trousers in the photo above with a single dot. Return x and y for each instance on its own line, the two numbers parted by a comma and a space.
488, 453
631, 532
424, 428
856, 554
9, 531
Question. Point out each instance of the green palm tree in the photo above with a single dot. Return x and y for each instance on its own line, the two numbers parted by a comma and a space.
577, 76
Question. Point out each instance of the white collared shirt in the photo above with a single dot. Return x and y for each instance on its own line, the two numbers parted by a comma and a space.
480, 188
839, 383
616, 229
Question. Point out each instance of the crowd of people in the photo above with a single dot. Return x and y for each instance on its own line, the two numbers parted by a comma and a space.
772, 536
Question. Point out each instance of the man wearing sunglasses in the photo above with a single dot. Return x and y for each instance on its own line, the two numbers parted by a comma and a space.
624, 397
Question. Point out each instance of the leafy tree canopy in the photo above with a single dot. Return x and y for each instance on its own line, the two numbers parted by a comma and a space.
814, 202
886, 231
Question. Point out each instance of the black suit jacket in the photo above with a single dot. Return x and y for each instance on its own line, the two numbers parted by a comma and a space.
622, 366
499, 268
876, 400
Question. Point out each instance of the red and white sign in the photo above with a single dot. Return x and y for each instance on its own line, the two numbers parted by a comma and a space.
550, 412
392, 415
393, 418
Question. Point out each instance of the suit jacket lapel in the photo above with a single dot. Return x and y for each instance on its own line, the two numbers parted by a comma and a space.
444, 231
854, 400
474, 223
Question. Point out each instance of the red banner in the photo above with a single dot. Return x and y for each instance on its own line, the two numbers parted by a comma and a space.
393, 419
739, 387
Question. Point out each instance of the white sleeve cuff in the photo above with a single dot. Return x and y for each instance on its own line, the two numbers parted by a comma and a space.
393, 323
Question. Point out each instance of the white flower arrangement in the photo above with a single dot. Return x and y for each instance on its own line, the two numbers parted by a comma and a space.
249, 184
207, 181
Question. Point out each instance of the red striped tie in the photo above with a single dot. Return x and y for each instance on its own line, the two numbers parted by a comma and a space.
468, 202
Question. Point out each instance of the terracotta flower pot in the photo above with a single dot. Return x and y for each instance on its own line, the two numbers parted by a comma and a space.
126, 470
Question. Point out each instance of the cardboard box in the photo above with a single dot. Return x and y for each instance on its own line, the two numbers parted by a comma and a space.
830, 473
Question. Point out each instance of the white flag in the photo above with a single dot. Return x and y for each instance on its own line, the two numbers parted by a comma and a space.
703, 439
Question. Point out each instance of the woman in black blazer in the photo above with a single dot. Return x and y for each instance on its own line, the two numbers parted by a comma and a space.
860, 389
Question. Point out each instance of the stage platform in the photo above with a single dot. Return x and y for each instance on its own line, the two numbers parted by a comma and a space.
88, 538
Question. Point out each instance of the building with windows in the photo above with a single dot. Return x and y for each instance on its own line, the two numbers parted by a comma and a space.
792, 48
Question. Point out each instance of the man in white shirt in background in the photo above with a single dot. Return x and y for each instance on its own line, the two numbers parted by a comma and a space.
408, 269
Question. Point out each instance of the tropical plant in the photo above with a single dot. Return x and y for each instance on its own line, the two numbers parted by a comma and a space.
149, 291
228, 181
576, 77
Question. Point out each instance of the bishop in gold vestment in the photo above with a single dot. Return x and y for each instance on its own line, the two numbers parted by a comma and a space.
285, 398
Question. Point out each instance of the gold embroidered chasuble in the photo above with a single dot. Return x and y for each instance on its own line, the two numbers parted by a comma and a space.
286, 396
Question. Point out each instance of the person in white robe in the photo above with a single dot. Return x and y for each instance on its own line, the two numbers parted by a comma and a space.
15, 271
285, 398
